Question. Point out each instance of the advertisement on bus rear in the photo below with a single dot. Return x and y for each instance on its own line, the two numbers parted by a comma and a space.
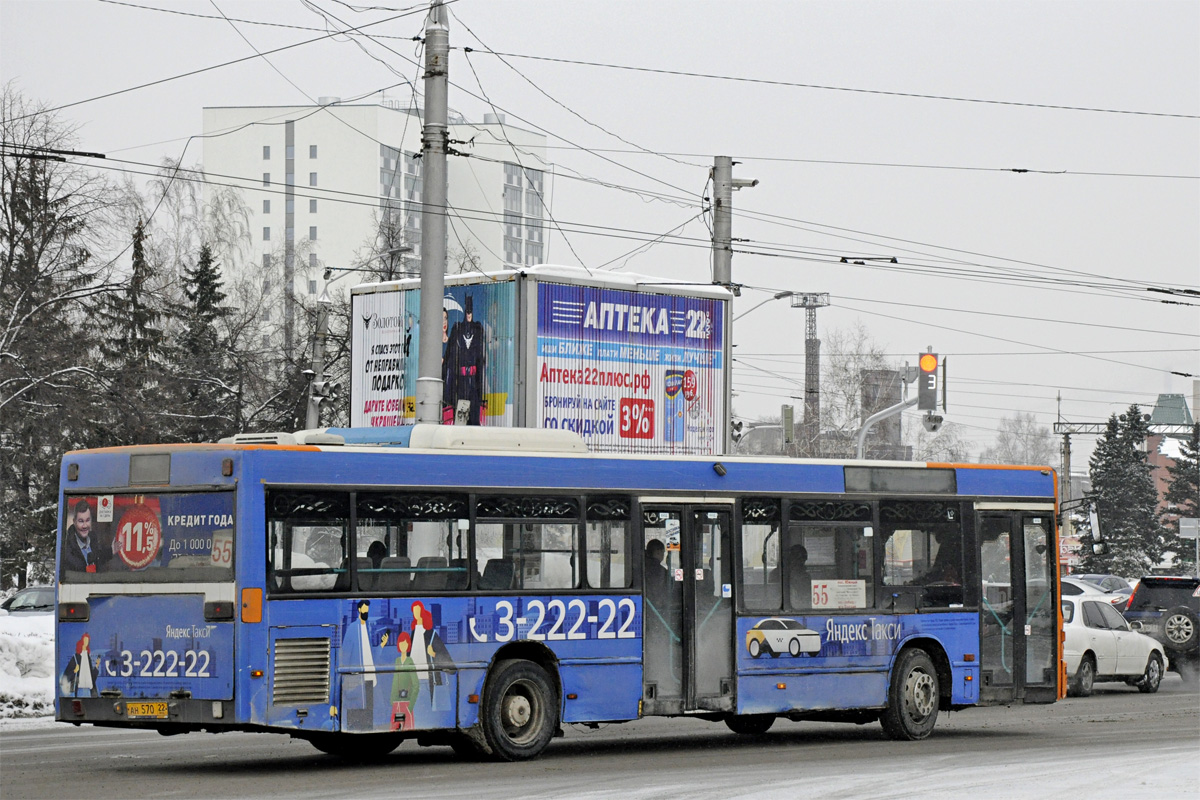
477, 345
631, 372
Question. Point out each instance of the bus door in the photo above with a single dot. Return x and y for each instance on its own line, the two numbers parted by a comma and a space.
687, 609
1018, 612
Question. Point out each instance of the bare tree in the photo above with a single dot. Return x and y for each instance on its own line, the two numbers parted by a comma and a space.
850, 356
947, 445
1020, 440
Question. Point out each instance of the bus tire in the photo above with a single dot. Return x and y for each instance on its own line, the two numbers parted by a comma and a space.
912, 707
520, 710
356, 747
750, 724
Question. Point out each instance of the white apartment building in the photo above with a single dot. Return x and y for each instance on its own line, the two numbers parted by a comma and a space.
320, 183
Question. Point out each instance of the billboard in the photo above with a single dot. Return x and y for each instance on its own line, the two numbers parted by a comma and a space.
631, 371
478, 341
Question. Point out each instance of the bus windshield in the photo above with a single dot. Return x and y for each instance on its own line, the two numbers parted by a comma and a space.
147, 538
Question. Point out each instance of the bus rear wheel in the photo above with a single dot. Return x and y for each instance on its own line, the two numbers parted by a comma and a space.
520, 710
913, 696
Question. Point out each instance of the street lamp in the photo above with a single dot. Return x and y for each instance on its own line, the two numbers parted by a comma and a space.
388, 254
777, 296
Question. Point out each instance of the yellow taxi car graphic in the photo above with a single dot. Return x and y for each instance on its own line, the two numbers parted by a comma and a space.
779, 635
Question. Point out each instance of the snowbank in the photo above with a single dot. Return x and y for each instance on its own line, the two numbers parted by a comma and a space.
26, 665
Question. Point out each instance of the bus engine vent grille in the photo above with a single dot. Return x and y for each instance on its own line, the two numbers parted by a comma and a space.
301, 672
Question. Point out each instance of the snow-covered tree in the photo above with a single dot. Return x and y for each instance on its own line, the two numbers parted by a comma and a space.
1183, 496
51, 223
1125, 499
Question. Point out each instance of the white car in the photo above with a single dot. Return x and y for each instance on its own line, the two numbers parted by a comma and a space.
1101, 647
779, 635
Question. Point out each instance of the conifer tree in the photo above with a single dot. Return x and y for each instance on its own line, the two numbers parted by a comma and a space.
1183, 496
131, 359
1125, 500
202, 371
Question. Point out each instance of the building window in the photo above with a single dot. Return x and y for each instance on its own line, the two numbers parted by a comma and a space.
266, 234
266, 206
266, 179
266, 152
312, 260
266, 313
312, 151
289, 206
312, 233
312, 287
312, 206
524, 229
290, 179
312, 179
291, 152
266, 264
266, 285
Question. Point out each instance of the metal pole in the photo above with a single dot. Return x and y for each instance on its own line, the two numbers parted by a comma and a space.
890, 411
433, 215
313, 417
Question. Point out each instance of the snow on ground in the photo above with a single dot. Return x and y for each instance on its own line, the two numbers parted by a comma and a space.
26, 665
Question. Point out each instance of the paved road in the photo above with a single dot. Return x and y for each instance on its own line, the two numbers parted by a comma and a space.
1117, 743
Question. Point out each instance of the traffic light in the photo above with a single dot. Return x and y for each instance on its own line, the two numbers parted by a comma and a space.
326, 391
927, 382
735, 430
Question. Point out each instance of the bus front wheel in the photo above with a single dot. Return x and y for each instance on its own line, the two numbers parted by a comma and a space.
912, 707
520, 710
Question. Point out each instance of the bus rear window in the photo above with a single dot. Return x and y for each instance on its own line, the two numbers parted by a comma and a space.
147, 538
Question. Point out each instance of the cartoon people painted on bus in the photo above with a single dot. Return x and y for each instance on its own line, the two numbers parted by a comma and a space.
406, 686
358, 664
79, 677
430, 657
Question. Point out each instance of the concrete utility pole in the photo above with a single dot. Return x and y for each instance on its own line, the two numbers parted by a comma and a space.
722, 270
433, 215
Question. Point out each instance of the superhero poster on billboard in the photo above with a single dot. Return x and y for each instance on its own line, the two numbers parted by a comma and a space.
477, 343
631, 371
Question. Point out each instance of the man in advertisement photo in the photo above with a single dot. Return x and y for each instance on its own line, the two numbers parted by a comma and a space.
81, 552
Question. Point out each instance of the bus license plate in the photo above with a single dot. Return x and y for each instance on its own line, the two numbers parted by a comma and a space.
146, 710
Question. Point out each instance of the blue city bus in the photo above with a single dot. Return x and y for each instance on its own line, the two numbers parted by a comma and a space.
478, 588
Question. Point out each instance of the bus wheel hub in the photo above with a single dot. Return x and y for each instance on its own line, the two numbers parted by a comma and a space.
517, 711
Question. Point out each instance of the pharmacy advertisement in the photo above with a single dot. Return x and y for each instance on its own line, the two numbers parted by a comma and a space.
631, 372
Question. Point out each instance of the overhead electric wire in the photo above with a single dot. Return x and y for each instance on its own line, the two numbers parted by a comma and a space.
212, 67
559, 103
796, 85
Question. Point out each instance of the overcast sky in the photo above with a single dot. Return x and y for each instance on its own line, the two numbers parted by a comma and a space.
936, 102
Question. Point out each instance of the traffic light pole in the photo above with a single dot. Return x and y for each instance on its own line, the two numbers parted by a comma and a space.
313, 418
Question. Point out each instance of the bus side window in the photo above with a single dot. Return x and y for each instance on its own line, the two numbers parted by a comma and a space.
609, 543
923, 547
540, 535
419, 541
310, 535
762, 589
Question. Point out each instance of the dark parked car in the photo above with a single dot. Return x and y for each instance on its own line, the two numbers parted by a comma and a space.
35, 600
1168, 608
